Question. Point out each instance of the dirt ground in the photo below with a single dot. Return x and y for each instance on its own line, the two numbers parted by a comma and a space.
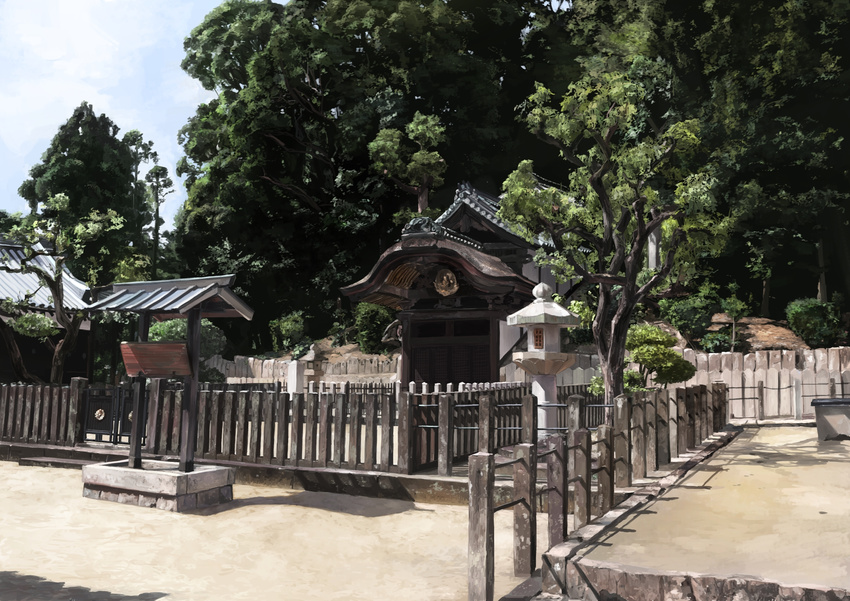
270, 543
772, 505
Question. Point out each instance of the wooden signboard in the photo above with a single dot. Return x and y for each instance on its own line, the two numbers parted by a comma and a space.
156, 359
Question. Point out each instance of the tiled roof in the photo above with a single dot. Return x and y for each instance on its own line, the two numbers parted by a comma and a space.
176, 297
16, 286
483, 204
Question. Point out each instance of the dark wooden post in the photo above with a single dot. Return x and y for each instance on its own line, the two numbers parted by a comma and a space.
682, 421
690, 412
581, 441
650, 440
137, 425
76, 417
445, 427
605, 475
673, 423
525, 513
574, 402
705, 414
486, 426
662, 432
481, 572
405, 433
189, 423
529, 418
622, 440
556, 480
638, 437
760, 400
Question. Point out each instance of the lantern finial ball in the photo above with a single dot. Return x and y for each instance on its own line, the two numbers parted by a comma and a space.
542, 292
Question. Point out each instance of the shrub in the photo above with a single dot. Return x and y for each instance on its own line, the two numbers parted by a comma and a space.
690, 315
213, 342
371, 321
818, 323
651, 348
287, 331
716, 342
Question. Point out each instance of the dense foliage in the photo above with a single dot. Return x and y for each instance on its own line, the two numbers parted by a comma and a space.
282, 188
818, 323
370, 322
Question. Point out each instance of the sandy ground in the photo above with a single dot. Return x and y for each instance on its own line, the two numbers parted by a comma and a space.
269, 543
774, 504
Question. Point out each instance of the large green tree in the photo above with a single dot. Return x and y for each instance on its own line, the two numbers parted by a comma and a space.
279, 183
48, 246
631, 176
97, 171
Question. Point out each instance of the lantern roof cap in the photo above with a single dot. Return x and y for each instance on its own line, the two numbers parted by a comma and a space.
544, 311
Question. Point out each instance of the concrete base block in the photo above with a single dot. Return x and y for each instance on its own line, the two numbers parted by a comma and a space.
159, 484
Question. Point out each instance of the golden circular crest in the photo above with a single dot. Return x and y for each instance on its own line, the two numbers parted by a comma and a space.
446, 282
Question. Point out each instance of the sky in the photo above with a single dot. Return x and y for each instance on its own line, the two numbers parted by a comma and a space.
121, 56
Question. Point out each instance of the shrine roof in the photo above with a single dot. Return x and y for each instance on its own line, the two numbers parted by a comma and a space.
18, 286
167, 299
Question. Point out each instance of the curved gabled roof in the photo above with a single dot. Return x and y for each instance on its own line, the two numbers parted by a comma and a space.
16, 286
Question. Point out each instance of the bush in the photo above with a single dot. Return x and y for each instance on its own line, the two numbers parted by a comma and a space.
816, 322
371, 321
287, 331
716, 342
213, 342
690, 315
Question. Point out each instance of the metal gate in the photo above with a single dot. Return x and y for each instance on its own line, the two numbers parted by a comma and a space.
108, 414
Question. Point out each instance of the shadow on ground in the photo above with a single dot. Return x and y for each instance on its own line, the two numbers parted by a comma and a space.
359, 506
21, 587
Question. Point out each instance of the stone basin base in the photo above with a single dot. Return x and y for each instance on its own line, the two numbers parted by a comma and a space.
833, 418
159, 484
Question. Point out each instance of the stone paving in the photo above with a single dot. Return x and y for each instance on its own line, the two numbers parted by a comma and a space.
269, 543
772, 505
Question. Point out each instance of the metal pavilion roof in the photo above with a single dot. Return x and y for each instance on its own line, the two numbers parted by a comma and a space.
16, 286
168, 299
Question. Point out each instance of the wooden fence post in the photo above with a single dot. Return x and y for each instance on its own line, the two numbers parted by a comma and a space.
525, 513
481, 572
485, 424
692, 404
622, 439
760, 393
556, 481
605, 475
582, 511
405, 434
154, 402
76, 416
706, 412
574, 402
673, 422
650, 440
662, 434
529, 418
445, 450
682, 421
638, 454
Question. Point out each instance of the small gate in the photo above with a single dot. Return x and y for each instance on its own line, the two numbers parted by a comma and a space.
108, 414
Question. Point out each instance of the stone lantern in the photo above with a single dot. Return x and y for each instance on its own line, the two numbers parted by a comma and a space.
543, 360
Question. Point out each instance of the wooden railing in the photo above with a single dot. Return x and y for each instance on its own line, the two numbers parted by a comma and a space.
647, 431
41, 413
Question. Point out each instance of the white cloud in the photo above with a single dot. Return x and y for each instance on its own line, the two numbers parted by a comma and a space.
122, 56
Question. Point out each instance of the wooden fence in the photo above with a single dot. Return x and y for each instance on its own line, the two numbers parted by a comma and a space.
40, 413
775, 384
644, 432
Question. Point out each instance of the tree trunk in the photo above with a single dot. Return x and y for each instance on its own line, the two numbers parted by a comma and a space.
63, 348
610, 332
15, 356
765, 297
422, 194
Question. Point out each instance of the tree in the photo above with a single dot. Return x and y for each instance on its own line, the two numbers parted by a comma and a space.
95, 170
160, 186
277, 165
43, 235
629, 179
415, 172
652, 349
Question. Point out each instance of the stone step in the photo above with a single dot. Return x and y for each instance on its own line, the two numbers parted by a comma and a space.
61, 462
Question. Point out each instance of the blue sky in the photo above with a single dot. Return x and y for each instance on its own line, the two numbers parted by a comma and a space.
122, 56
